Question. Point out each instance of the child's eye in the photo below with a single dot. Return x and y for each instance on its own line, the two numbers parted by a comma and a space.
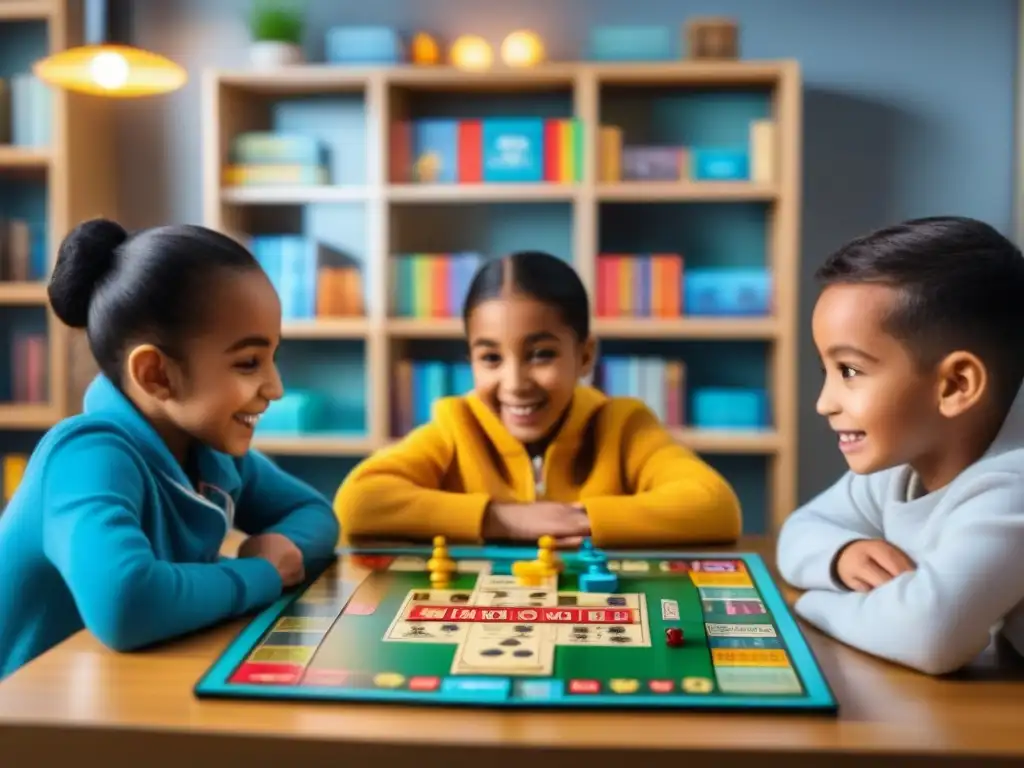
490, 358
250, 364
847, 372
544, 354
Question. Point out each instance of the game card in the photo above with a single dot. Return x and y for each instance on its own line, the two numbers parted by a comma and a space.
505, 649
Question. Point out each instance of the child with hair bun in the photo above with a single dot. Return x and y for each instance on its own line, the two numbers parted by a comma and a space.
118, 521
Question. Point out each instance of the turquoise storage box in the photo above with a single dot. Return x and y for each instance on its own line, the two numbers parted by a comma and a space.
363, 45
720, 164
730, 408
633, 43
727, 292
298, 412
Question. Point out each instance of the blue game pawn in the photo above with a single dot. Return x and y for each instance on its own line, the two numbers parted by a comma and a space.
598, 579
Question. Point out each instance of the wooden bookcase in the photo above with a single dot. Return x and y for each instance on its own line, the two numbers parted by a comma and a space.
77, 170
240, 101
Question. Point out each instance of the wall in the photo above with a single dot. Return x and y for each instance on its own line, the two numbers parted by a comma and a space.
909, 109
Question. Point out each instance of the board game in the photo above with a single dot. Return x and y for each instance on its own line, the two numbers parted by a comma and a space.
642, 629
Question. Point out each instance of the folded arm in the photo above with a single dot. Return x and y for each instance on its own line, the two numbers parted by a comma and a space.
813, 535
938, 617
273, 501
127, 597
396, 493
679, 499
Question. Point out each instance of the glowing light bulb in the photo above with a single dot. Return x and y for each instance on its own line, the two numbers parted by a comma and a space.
109, 70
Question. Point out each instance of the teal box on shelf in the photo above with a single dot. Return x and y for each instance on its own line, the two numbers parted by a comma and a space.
720, 164
730, 408
298, 412
364, 45
633, 43
727, 292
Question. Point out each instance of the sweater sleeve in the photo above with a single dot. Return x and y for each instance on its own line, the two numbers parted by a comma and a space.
273, 501
128, 598
938, 617
814, 534
678, 498
396, 493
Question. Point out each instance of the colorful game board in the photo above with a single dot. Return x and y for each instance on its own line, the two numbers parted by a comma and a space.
372, 628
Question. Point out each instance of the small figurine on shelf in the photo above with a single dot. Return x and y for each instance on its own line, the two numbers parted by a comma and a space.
713, 38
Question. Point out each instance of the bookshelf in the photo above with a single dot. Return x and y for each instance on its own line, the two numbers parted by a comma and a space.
375, 215
53, 173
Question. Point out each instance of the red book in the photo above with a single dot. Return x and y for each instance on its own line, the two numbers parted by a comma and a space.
552, 150
471, 152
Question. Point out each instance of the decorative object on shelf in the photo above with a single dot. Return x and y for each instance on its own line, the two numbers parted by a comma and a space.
424, 49
720, 163
713, 38
364, 45
632, 43
728, 292
522, 48
471, 52
654, 163
102, 67
731, 408
276, 30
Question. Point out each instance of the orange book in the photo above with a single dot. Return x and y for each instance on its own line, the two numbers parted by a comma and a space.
624, 286
440, 285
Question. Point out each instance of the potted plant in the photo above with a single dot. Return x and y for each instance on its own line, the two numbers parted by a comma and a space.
276, 28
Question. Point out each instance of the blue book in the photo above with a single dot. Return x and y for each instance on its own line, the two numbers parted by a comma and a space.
429, 384
463, 269
461, 378
513, 149
435, 151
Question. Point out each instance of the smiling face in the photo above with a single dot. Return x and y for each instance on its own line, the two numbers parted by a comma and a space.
526, 364
229, 377
883, 406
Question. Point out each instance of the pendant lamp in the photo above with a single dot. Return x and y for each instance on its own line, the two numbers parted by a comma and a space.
104, 68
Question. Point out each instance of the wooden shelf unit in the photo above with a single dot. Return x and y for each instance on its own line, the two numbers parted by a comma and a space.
77, 168
238, 101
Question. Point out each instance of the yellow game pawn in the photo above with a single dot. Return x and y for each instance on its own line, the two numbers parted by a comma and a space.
440, 564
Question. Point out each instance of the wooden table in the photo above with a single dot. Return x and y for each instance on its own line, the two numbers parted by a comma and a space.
81, 702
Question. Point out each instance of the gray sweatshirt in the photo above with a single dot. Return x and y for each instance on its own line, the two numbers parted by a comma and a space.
967, 541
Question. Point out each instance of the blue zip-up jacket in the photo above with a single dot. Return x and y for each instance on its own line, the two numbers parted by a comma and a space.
106, 532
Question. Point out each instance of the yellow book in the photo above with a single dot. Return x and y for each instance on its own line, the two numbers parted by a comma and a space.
610, 154
763, 150
567, 141
421, 285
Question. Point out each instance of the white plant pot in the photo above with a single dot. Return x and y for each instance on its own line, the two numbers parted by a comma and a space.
270, 54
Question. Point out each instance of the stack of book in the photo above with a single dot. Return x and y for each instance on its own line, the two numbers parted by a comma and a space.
268, 158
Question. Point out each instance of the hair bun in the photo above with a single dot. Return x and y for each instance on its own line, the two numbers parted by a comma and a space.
86, 256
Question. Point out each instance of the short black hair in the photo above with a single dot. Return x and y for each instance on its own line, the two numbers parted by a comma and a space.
961, 286
538, 275
142, 288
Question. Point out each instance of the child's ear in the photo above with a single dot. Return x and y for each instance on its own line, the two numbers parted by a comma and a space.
588, 358
963, 380
150, 369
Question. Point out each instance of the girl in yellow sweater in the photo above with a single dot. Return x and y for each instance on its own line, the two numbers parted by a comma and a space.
531, 451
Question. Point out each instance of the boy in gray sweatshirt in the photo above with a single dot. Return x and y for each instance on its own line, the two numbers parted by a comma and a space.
917, 553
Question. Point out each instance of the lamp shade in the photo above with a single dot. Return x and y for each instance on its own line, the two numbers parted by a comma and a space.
121, 71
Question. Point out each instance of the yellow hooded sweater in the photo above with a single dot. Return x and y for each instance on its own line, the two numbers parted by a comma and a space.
638, 486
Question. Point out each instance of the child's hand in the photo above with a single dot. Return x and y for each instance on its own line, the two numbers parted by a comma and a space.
280, 552
867, 564
566, 523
